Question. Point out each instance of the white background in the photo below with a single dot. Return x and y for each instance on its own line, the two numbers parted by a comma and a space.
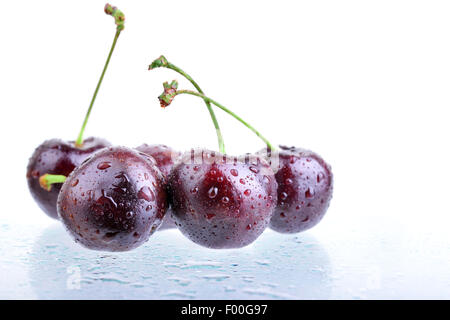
363, 83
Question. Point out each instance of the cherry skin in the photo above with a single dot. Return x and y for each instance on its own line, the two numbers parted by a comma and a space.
305, 187
222, 203
114, 201
57, 157
165, 158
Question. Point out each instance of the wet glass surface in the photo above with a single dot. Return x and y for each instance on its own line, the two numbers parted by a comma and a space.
43, 262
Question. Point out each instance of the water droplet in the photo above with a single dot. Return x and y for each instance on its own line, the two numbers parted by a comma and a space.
247, 192
320, 176
248, 227
234, 172
196, 168
309, 193
254, 169
283, 196
148, 208
219, 179
91, 195
288, 181
225, 200
194, 190
282, 215
242, 181
104, 165
212, 192
210, 216
129, 214
75, 182
146, 194
110, 235
266, 179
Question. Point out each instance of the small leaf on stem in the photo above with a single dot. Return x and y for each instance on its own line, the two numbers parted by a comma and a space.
170, 91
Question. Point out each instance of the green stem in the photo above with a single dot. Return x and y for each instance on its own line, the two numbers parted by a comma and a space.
227, 111
119, 19
162, 62
79, 141
208, 105
47, 180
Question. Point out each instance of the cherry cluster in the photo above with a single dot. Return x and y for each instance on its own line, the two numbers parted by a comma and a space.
114, 198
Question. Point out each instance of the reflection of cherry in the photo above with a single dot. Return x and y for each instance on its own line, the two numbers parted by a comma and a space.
165, 157
305, 187
114, 201
59, 157
222, 203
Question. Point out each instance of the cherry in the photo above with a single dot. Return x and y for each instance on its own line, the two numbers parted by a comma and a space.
114, 201
59, 158
218, 201
305, 187
165, 157
306, 183
162, 62
222, 202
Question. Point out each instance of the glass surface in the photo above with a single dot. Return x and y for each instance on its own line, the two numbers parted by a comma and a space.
41, 261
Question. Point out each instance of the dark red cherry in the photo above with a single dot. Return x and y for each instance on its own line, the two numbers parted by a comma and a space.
165, 158
305, 187
57, 157
222, 202
114, 201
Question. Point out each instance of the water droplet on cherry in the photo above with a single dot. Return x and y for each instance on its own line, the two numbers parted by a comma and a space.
104, 165
146, 194
212, 192
309, 193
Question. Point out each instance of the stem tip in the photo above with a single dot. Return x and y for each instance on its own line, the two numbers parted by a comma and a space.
158, 63
46, 180
118, 15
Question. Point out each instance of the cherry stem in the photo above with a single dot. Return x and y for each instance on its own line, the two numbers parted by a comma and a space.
162, 62
119, 18
47, 180
170, 92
